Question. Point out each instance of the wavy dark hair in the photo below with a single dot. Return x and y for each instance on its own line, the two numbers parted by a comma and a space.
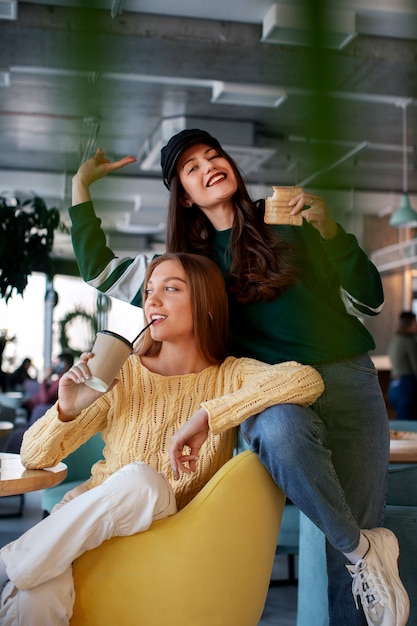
262, 265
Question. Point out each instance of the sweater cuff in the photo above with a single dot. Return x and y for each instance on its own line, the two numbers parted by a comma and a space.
339, 244
82, 212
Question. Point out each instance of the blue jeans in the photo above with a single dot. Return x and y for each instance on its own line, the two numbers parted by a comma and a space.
332, 462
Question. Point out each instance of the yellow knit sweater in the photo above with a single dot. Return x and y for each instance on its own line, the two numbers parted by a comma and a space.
139, 416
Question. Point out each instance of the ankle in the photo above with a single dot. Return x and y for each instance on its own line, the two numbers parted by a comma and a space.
360, 551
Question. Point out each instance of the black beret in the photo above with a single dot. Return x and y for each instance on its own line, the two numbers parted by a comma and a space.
176, 146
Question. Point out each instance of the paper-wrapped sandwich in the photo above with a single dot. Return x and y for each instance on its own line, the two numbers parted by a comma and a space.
277, 210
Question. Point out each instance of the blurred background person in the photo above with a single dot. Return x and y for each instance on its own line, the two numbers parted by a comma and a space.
40, 402
47, 393
22, 375
402, 350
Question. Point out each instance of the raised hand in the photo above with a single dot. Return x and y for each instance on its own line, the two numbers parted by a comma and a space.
93, 169
99, 166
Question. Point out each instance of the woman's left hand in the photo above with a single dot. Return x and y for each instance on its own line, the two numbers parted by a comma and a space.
192, 434
315, 212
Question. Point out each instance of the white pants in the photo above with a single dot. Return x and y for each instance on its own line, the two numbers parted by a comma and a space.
39, 563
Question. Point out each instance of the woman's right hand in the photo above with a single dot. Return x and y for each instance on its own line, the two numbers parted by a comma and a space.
73, 394
191, 434
93, 169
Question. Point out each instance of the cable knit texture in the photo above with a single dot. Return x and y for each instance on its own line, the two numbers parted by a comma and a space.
139, 416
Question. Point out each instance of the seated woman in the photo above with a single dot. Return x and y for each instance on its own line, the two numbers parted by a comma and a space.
180, 368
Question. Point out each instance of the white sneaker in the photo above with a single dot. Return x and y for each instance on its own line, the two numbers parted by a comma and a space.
377, 582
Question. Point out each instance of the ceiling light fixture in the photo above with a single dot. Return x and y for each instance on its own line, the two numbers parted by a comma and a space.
247, 95
405, 214
8, 9
285, 24
4, 78
140, 229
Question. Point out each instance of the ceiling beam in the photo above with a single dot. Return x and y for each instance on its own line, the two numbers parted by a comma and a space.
41, 29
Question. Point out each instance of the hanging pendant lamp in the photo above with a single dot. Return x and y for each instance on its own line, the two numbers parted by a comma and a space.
405, 214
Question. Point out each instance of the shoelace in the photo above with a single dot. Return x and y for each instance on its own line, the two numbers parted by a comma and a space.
362, 585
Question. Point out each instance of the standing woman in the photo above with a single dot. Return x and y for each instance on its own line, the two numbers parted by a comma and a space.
180, 370
402, 350
294, 293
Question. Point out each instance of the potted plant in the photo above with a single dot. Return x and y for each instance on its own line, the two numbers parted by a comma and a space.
26, 241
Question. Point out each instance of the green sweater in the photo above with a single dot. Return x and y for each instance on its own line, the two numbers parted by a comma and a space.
310, 323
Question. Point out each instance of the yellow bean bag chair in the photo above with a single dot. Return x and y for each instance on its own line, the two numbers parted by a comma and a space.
208, 565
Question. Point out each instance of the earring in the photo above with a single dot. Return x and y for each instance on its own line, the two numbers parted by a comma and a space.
210, 316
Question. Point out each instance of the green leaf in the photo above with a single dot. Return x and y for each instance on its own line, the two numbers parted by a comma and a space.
26, 242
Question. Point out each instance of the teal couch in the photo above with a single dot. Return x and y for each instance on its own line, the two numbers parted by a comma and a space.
79, 465
400, 517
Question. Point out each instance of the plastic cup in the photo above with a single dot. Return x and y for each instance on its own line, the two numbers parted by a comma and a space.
110, 352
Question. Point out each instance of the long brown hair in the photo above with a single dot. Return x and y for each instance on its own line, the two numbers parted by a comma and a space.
208, 303
262, 265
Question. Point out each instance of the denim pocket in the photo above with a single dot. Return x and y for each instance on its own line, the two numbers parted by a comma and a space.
363, 363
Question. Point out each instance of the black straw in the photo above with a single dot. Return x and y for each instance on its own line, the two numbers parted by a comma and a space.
142, 331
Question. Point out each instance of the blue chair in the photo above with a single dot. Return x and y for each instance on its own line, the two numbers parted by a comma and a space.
289, 543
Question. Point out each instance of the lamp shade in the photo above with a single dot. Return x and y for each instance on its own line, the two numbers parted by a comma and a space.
405, 214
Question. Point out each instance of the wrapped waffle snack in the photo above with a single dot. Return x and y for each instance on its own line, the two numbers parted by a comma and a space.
277, 210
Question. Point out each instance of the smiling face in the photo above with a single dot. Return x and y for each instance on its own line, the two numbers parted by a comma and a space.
168, 303
206, 176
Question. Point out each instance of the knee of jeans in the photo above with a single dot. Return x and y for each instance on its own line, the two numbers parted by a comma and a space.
130, 484
278, 423
282, 428
138, 494
129, 478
